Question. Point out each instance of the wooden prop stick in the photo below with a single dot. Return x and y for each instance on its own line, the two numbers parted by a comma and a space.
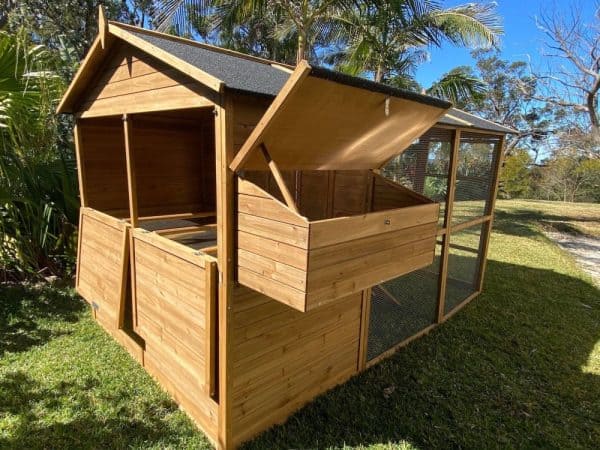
289, 199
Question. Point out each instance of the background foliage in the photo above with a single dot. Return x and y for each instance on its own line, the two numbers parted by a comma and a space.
554, 155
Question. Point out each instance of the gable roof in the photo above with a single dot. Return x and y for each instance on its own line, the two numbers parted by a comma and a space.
236, 73
220, 68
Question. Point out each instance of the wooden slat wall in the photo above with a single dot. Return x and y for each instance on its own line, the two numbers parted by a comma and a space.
175, 163
132, 81
102, 256
103, 164
307, 264
284, 358
172, 303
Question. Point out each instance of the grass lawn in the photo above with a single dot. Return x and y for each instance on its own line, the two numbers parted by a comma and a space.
517, 368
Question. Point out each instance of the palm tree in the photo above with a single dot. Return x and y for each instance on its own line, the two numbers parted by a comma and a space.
388, 38
306, 20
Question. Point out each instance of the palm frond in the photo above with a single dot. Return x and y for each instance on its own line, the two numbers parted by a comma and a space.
473, 25
458, 87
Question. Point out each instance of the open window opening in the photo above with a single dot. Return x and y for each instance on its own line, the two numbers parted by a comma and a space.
167, 186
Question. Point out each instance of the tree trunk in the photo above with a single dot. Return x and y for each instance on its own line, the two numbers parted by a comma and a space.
301, 53
379, 73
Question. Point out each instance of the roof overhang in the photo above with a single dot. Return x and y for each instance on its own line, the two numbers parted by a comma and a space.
323, 120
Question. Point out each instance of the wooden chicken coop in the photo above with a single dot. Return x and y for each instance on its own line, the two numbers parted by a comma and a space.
255, 234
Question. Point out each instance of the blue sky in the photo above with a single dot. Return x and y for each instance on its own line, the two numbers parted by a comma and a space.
521, 41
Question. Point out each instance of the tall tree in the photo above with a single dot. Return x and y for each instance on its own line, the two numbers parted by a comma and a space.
512, 100
572, 76
306, 20
388, 39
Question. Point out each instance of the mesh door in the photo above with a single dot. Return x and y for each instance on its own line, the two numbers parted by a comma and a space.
463, 266
474, 176
402, 307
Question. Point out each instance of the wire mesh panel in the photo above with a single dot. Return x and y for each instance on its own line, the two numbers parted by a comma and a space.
463, 265
402, 307
474, 176
423, 167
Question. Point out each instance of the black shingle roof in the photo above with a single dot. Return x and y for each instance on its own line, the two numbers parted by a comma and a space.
258, 77
236, 72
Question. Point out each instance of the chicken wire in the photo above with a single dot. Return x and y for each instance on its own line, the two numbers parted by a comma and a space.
402, 307
463, 266
424, 166
474, 176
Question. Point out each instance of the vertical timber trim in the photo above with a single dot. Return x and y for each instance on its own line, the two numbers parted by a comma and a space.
483, 251
79, 233
225, 224
364, 329
448, 225
211, 286
80, 163
123, 288
130, 158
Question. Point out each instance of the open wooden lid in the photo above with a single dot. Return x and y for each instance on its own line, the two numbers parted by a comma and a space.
323, 120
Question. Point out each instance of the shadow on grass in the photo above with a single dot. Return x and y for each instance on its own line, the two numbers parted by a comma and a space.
27, 313
509, 371
524, 222
25, 398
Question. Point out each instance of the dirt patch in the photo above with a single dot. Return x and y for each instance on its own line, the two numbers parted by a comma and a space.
585, 249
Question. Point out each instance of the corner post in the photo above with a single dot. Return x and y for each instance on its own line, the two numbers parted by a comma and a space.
443, 274
483, 250
225, 260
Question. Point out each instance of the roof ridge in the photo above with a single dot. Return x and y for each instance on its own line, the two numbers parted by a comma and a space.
203, 45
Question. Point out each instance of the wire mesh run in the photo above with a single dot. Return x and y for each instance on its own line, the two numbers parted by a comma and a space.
402, 307
474, 176
463, 266
424, 166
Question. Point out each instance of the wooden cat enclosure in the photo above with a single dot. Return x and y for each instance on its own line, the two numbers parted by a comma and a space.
255, 234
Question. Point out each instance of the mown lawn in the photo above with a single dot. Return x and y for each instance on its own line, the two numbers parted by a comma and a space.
517, 368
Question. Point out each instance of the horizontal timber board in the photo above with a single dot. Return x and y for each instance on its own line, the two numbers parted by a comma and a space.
329, 231
336, 253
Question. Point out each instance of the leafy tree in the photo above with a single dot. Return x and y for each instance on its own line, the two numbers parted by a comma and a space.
569, 177
461, 86
515, 177
73, 24
511, 100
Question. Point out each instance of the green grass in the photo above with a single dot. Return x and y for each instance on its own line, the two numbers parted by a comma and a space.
65, 384
517, 368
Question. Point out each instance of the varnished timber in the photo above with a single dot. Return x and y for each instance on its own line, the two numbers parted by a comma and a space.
131, 172
443, 277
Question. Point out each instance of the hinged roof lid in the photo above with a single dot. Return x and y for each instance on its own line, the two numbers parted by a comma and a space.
326, 120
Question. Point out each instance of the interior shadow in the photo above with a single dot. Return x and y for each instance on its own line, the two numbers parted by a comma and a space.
508, 371
27, 312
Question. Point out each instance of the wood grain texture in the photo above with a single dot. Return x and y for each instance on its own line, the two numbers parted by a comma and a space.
132, 81
284, 360
103, 254
175, 294
306, 264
